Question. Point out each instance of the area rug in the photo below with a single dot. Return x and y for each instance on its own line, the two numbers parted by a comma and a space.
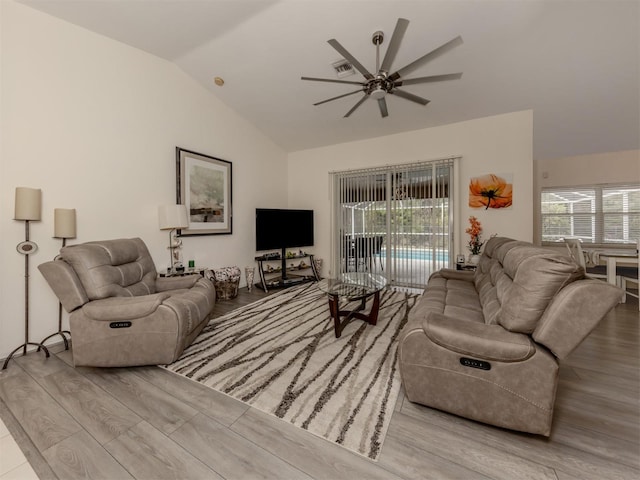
280, 355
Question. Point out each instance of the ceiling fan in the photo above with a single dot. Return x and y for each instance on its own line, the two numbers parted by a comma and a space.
383, 83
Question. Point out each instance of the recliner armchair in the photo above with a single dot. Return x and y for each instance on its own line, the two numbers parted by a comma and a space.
121, 312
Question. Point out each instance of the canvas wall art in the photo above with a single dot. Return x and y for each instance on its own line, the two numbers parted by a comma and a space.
491, 191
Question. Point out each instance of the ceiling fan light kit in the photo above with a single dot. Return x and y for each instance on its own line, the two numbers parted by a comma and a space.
381, 84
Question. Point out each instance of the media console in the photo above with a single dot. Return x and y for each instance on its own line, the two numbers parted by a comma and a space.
278, 271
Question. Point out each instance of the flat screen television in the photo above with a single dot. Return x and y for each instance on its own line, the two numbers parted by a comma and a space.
281, 229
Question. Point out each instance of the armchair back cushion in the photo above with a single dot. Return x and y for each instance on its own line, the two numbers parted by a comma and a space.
112, 268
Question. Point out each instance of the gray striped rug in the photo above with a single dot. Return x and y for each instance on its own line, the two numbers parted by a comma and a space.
280, 355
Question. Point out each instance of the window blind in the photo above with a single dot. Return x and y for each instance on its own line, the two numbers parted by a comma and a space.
597, 214
394, 220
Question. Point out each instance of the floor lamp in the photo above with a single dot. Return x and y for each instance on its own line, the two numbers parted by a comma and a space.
27, 208
64, 226
171, 217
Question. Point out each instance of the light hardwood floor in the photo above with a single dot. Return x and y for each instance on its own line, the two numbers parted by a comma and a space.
147, 423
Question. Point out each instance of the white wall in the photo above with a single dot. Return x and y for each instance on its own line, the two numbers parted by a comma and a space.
500, 144
94, 124
610, 167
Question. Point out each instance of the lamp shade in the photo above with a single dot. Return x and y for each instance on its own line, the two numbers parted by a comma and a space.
172, 216
64, 223
28, 203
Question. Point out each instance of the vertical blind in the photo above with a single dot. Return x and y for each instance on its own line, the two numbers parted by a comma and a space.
597, 214
393, 220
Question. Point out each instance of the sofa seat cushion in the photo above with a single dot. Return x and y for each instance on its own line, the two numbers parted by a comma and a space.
450, 293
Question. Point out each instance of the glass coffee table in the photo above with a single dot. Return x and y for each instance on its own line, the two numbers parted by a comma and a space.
352, 287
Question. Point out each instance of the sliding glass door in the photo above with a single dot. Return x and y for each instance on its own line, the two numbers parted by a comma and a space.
395, 221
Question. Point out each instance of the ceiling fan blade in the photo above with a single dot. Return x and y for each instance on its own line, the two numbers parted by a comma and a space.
430, 79
331, 80
425, 58
394, 44
382, 103
335, 98
410, 96
350, 58
360, 102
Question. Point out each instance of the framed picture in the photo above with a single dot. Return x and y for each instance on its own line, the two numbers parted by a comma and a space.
203, 185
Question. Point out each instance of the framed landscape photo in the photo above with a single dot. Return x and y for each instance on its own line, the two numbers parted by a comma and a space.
203, 185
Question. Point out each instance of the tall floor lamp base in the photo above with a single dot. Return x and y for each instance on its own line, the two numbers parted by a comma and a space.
64, 339
60, 331
24, 347
25, 248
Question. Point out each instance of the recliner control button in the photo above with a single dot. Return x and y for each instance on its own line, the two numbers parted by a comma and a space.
120, 324
473, 363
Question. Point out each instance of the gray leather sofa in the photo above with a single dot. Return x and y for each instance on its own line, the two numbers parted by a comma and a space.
121, 312
486, 344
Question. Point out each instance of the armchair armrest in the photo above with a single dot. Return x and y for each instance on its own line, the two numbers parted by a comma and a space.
489, 342
64, 282
175, 283
124, 308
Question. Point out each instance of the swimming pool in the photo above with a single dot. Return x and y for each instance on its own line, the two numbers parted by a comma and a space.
442, 256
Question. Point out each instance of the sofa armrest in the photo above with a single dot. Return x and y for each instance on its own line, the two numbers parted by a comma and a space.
176, 283
452, 274
488, 342
124, 308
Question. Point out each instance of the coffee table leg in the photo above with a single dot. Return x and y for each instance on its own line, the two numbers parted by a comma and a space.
334, 308
375, 308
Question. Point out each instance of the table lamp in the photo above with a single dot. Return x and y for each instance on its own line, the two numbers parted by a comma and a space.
172, 217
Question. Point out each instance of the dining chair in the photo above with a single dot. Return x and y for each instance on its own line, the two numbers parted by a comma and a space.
632, 276
579, 256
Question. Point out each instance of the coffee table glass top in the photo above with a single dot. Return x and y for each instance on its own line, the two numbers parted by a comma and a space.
353, 285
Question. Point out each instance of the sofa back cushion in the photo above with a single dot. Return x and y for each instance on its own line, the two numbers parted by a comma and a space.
490, 279
112, 268
537, 275
516, 281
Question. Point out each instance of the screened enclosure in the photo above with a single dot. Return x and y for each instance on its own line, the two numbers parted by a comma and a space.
394, 220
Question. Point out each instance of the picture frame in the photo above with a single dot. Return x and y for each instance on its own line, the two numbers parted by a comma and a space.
204, 186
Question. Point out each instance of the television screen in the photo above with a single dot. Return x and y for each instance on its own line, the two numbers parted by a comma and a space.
279, 228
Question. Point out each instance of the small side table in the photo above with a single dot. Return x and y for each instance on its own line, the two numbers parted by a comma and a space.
469, 267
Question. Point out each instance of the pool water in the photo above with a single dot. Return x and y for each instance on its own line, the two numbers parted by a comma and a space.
442, 256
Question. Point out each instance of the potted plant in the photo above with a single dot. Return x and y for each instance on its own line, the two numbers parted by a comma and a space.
475, 243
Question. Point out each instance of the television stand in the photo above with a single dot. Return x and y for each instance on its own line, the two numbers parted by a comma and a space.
280, 271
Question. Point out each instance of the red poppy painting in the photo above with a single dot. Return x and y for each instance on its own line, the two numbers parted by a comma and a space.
490, 191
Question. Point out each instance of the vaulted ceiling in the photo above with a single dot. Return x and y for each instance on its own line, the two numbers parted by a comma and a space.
574, 63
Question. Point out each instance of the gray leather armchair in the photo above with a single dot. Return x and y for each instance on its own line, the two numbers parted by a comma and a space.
121, 312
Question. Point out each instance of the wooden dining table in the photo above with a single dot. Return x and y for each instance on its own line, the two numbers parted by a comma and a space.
615, 257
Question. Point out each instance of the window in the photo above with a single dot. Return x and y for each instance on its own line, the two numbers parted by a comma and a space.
598, 214
394, 221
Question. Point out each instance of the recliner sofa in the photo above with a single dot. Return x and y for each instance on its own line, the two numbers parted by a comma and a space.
486, 345
121, 312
